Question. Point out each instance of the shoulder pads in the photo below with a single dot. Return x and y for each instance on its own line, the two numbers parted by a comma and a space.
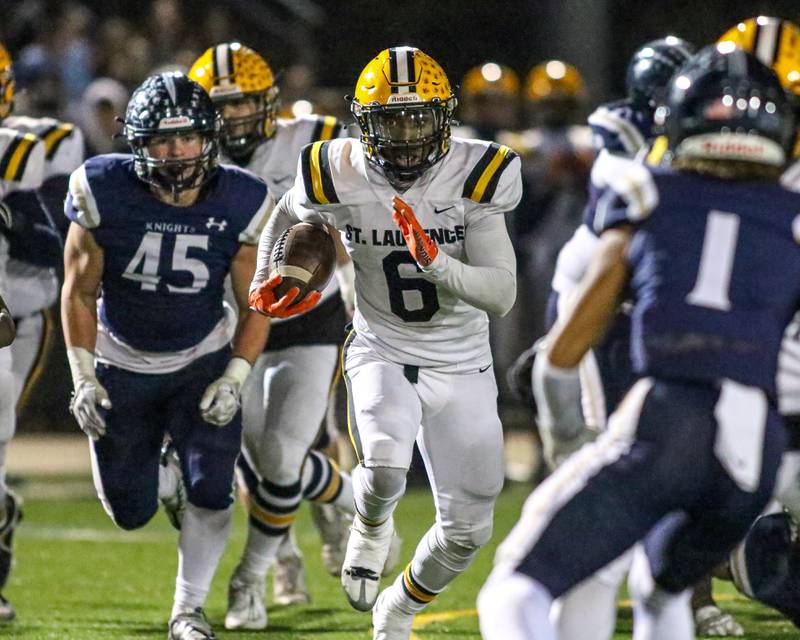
485, 175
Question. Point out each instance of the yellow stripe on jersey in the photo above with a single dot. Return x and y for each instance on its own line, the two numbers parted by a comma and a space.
15, 167
53, 138
315, 168
328, 127
316, 174
489, 172
657, 151
482, 182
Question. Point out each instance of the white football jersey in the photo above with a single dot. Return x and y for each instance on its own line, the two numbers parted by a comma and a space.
22, 166
275, 160
63, 142
32, 287
404, 316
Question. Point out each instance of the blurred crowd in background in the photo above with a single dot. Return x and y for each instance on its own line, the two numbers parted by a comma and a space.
79, 61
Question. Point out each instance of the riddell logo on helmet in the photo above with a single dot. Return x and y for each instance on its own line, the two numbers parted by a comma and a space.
225, 90
733, 148
403, 97
176, 122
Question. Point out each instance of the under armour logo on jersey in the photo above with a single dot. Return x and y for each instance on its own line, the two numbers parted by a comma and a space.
219, 225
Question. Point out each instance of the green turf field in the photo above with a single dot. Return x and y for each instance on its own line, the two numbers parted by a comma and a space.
79, 577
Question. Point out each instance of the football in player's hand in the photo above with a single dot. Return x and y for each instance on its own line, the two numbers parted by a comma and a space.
305, 257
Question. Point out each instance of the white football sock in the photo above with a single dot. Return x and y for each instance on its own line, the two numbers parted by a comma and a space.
513, 606
260, 553
436, 563
204, 534
588, 611
288, 547
657, 614
168, 479
664, 616
345, 500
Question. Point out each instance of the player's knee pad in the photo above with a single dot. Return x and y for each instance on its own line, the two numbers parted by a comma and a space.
470, 534
283, 465
129, 512
377, 489
455, 555
210, 492
760, 564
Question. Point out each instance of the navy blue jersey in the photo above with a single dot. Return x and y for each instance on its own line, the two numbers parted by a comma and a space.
164, 266
619, 128
715, 273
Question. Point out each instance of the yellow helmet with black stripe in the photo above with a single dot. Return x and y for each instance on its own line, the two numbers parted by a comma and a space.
403, 104
242, 86
553, 79
775, 42
554, 94
491, 79
6, 83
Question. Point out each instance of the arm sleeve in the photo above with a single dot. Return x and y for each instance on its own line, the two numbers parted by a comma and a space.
488, 282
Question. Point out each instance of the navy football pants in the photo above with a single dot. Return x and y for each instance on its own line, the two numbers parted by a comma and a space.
663, 484
145, 407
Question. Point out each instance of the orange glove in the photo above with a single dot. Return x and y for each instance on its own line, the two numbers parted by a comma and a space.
419, 243
263, 300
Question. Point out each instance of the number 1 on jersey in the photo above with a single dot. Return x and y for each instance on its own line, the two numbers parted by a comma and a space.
713, 282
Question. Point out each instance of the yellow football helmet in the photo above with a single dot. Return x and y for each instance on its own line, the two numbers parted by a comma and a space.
775, 42
403, 104
553, 79
6, 83
241, 85
491, 79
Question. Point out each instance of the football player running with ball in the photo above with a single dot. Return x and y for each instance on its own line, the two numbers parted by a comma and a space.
284, 401
155, 233
690, 455
420, 214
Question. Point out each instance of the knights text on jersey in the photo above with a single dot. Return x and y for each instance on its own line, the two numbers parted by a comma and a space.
402, 314
715, 273
164, 266
275, 160
63, 142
